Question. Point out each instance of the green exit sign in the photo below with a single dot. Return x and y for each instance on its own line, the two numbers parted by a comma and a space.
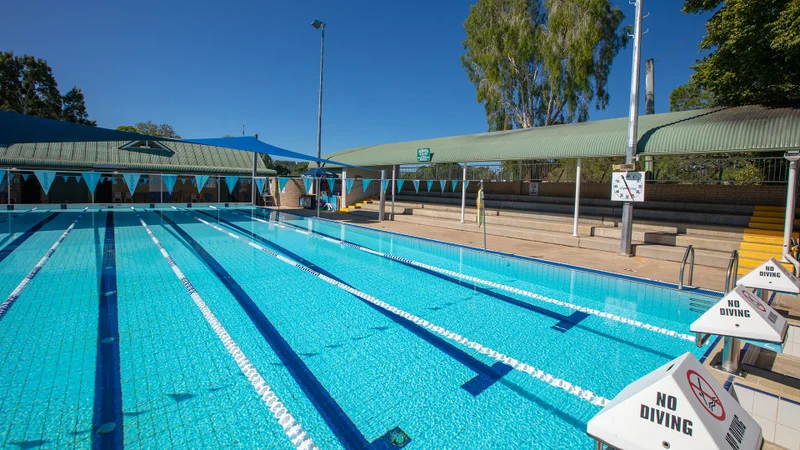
423, 155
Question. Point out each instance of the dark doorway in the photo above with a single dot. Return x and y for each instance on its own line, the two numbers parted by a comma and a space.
102, 194
31, 190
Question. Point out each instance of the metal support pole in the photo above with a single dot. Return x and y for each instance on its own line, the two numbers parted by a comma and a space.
730, 355
791, 199
344, 188
8, 187
633, 123
253, 179
382, 207
394, 168
464, 192
161, 178
319, 111
483, 216
318, 196
577, 198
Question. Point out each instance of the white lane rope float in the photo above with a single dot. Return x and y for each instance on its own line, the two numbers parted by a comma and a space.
294, 431
20, 215
540, 375
15, 294
524, 293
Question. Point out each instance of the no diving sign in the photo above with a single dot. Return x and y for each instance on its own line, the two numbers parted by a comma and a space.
772, 276
706, 395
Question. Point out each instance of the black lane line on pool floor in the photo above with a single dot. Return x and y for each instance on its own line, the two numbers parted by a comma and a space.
563, 325
564, 322
107, 418
7, 250
338, 421
486, 375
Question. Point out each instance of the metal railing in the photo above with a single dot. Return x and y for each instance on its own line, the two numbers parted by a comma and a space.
689, 169
732, 272
689, 254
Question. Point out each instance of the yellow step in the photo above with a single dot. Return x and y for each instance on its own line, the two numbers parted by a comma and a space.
770, 208
750, 264
761, 256
764, 232
765, 226
745, 271
767, 219
761, 247
345, 210
781, 214
767, 240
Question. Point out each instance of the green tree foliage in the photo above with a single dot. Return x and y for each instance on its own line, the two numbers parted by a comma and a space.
754, 50
690, 96
27, 86
151, 129
74, 108
541, 62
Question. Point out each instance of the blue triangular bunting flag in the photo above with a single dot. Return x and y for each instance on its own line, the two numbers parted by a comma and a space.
441, 184
231, 183
77, 178
45, 178
466, 184
308, 182
131, 179
91, 179
454, 183
201, 181
430, 185
365, 183
65, 177
416, 185
155, 179
331, 184
400, 184
25, 176
348, 182
282, 183
260, 182
384, 185
183, 180
169, 182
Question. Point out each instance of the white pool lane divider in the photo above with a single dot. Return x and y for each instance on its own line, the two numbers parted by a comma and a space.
524, 293
15, 294
294, 431
540, 375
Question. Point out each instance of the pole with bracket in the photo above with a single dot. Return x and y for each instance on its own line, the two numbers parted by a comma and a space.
791, 200
633, 124
577, 198
394, 168
382, 206
463, 192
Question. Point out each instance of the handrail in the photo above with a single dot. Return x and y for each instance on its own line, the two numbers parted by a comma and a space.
794, 262
733, 271
689, 253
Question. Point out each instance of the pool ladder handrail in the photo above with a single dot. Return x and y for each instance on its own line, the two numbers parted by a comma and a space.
732, 272
689, 255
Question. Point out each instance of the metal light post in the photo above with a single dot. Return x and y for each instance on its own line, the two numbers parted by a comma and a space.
318, 24
633, 124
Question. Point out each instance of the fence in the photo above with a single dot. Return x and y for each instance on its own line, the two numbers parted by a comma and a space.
702, 169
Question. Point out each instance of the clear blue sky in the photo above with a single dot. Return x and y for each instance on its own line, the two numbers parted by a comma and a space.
392, 69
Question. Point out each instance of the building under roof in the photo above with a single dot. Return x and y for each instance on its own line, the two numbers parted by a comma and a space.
140, 156
736, 129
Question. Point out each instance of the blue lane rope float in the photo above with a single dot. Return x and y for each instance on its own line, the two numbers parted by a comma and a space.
533, 295
540, 375
291, 427
9, 302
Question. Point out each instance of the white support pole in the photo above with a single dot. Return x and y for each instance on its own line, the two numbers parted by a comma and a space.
318, 196
394, 168
8, 187
218, 189
344, 188
791, 197
161, 178
382, 207
577, 198
253, 179
464, 193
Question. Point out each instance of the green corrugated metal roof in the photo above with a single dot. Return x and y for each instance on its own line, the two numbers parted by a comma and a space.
183, 158
746, 128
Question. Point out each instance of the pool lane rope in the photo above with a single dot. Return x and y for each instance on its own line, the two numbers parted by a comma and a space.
540, 375
533, 295
294, 431
15, 294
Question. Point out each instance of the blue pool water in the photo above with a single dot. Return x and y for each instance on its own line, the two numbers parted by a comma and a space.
264, 329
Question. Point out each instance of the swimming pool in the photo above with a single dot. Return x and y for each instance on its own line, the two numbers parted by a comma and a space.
213, 327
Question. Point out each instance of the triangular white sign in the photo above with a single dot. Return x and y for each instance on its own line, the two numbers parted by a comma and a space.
771, 276
742, 314
679, 406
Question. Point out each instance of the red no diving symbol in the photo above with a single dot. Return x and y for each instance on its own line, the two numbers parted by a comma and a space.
755, 301
706, 395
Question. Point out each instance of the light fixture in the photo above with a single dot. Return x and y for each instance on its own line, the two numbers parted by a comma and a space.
318, 24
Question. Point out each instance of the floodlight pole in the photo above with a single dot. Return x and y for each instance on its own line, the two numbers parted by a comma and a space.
633, 124
577, 199
394, 168
463, 192
382, 206
320, 26
252, 181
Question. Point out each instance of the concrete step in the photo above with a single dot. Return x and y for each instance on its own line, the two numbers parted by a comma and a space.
673, 239
511, 221
709, 258
497, 230
600, 243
